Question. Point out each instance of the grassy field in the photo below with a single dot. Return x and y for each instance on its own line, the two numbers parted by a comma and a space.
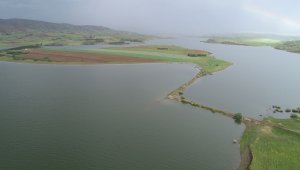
274, 148
246, 41
285, 45
166, 54
290, 46
162, 53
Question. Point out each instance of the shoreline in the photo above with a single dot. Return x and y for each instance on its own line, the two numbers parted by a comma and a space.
249, 45
204, 68
246, 153
177, 95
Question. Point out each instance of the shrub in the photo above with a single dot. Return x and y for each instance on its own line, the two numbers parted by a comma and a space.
276, 107
294, 116
184, 101
287, 110
238, 117
98, 40
195, 104
89, 42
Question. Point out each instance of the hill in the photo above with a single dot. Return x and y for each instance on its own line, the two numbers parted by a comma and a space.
17, 32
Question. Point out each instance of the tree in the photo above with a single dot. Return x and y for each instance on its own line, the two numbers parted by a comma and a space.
237, 117
294, 116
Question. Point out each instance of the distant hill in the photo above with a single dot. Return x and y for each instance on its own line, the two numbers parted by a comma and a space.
17, 32
25, 25
253, 35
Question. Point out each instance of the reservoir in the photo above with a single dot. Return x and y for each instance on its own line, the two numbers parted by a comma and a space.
111, 117
259, 78
116, 116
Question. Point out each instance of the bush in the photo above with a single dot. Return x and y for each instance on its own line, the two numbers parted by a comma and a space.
237, 117
196, 55
89, 43
98, 40
294, 116
184, 101
195, 104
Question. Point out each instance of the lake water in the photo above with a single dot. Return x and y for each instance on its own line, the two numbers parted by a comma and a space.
115, 116
108, 117
259, 78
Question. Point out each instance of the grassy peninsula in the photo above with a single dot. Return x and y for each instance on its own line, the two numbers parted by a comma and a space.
117, 55
166, 53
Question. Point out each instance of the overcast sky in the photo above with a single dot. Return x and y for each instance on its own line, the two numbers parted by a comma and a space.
185, 17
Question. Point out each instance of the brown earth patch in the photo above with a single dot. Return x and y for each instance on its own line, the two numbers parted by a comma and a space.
198, 52
82, 57
267, 130
246, 159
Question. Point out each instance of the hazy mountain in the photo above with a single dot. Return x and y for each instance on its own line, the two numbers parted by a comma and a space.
20, 32
25, 25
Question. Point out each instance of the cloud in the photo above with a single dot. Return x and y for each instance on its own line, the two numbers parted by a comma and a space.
189, 17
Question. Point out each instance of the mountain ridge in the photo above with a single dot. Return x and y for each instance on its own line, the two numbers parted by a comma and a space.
28, 25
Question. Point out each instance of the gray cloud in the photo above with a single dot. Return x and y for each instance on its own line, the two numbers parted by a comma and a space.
189, 17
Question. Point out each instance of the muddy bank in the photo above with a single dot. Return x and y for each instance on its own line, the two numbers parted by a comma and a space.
246, 159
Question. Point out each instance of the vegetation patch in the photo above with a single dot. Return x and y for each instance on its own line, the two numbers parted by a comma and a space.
238, 118
274, 147
280, 44
244, 41
169, 54
290, 46
208, 63
288, 110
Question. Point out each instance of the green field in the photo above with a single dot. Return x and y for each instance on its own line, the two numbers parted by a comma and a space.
280, 44
246, 41
274, 148
165, 54
290, 46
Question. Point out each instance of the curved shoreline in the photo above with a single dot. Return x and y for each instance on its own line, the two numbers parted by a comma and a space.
177, 95
245, 154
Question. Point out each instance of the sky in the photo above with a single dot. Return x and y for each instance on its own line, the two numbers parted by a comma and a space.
165, 17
